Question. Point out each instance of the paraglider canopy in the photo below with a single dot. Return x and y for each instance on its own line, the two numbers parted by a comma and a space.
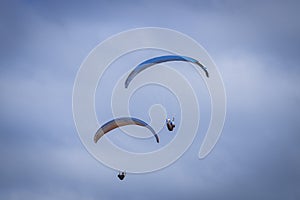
167, 58
122, 121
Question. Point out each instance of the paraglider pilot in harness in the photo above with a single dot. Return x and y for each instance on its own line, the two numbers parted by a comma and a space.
121, 175
170, 124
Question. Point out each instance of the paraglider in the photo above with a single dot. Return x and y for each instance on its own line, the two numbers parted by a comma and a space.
122, 121
121, 175
170, 124
153, 61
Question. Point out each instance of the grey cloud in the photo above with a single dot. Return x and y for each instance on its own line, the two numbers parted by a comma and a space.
255, 46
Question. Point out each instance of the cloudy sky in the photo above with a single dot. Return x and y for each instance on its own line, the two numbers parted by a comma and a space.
256, 47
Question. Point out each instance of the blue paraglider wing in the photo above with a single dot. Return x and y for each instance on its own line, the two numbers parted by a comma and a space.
153, 61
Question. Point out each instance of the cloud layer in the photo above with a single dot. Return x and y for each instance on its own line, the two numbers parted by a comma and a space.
255, 46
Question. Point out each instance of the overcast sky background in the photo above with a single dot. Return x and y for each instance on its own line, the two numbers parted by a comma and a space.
256, 47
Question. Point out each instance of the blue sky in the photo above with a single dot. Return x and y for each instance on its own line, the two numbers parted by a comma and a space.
256, 47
